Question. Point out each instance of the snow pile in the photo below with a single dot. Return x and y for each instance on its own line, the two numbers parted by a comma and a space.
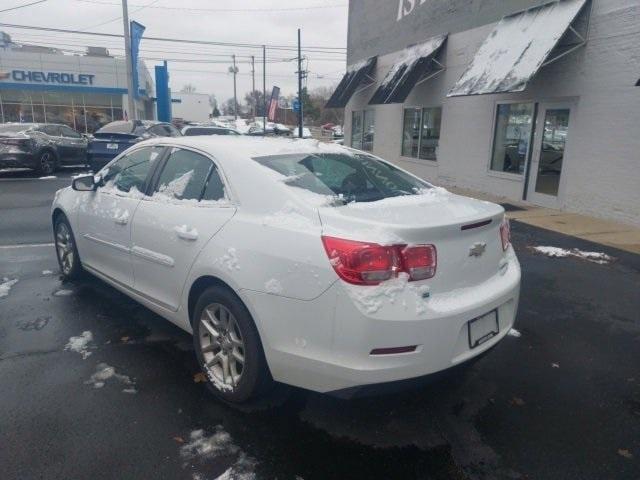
425, 196
273, 286
371, 299
230, 260
556, 252
219, 444
48, 178
106, 372
289, 216
80, 344
47, 272
5, 286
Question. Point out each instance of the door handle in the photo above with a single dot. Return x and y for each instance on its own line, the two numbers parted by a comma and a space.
122, 219
186, 233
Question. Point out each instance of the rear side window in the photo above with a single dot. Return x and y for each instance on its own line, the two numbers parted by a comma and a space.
184, 176
51, 130
352, 177
68, 132
189, 132
117, 127
130, 172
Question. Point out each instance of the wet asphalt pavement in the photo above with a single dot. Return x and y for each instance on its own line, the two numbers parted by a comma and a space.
560, 402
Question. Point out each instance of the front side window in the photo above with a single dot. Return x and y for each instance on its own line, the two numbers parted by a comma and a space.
184, 176
129, 173
351, 178
512, 136
421, 132
68, 132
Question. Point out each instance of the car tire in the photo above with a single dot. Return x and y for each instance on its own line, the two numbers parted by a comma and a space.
46, 163
228, 346
66, 249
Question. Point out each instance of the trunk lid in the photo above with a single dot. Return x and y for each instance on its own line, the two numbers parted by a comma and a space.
465, 232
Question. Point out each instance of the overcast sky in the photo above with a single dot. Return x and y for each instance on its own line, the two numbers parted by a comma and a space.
323, 23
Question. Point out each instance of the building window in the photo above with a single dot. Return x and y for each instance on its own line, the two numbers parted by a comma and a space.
421, 132
363, 130
512, 137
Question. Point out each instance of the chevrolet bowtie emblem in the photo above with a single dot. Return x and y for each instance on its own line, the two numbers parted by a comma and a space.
477, 249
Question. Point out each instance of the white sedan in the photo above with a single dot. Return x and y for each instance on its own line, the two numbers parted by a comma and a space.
294, 261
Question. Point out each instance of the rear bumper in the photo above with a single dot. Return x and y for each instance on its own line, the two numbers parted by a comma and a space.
326, 343
17, 160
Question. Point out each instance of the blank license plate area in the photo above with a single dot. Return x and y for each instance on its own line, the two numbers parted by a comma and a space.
483, 328
112, 146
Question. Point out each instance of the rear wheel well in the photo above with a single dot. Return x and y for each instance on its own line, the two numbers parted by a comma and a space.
199, 286
49, 150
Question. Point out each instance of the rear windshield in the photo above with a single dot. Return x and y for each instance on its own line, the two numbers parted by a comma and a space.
117, 127
354, 178
15, 128
205, 131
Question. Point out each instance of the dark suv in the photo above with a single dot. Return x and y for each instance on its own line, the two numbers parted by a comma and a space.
42, 147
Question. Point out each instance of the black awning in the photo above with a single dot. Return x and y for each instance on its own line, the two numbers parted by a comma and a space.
346, 88
518, 47
416, 62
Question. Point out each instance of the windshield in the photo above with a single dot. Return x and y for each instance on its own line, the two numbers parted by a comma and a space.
15, 128
354, 178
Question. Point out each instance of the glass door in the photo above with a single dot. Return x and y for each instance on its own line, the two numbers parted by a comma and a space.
552, 131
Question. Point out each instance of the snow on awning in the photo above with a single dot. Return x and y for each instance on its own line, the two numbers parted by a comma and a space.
416, 63
356, 73
518, 47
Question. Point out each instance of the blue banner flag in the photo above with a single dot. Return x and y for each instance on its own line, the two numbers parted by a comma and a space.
136, 30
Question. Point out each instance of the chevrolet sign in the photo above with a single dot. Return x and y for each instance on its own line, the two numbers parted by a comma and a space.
57, 78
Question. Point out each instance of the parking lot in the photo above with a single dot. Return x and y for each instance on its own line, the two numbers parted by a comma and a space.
562, 400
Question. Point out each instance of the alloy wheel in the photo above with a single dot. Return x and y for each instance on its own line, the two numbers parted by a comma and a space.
222, 346
46, 163
64, 248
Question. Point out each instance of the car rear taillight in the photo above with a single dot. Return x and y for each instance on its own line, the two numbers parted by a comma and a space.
363, 263
505, 233
420, 261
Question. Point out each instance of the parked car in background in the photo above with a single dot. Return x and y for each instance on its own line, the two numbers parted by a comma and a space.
42, 147
192, 130
297, 261
115, 137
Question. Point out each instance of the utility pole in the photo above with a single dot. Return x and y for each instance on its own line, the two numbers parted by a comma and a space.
300, 113
127, 48
264, 89
234, 69
253, 88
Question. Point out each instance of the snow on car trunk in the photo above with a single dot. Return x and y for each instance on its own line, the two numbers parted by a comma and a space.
465, 232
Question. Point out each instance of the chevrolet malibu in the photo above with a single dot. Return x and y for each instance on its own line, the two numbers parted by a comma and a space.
293, 261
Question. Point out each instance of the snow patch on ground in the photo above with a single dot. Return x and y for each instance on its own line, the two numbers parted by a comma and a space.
273, 286
204, 447
514, 333
106, 372
5, 286
62, 293
47, 178
47, 272
80, 344
556, 252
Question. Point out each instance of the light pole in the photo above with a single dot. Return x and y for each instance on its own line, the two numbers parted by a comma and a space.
234, 70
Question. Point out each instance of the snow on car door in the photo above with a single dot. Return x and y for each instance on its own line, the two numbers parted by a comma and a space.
171, 227
104, 216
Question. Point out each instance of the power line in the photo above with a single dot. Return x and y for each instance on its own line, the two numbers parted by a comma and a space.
228, 10
177, 40
23, 6
120, 16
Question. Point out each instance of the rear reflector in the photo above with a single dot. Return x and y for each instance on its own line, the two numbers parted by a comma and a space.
363, 263
393, 350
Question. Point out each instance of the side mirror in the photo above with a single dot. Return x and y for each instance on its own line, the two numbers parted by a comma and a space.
86, 183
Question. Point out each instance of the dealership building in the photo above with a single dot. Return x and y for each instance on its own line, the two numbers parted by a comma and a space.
523, 99
84, 91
